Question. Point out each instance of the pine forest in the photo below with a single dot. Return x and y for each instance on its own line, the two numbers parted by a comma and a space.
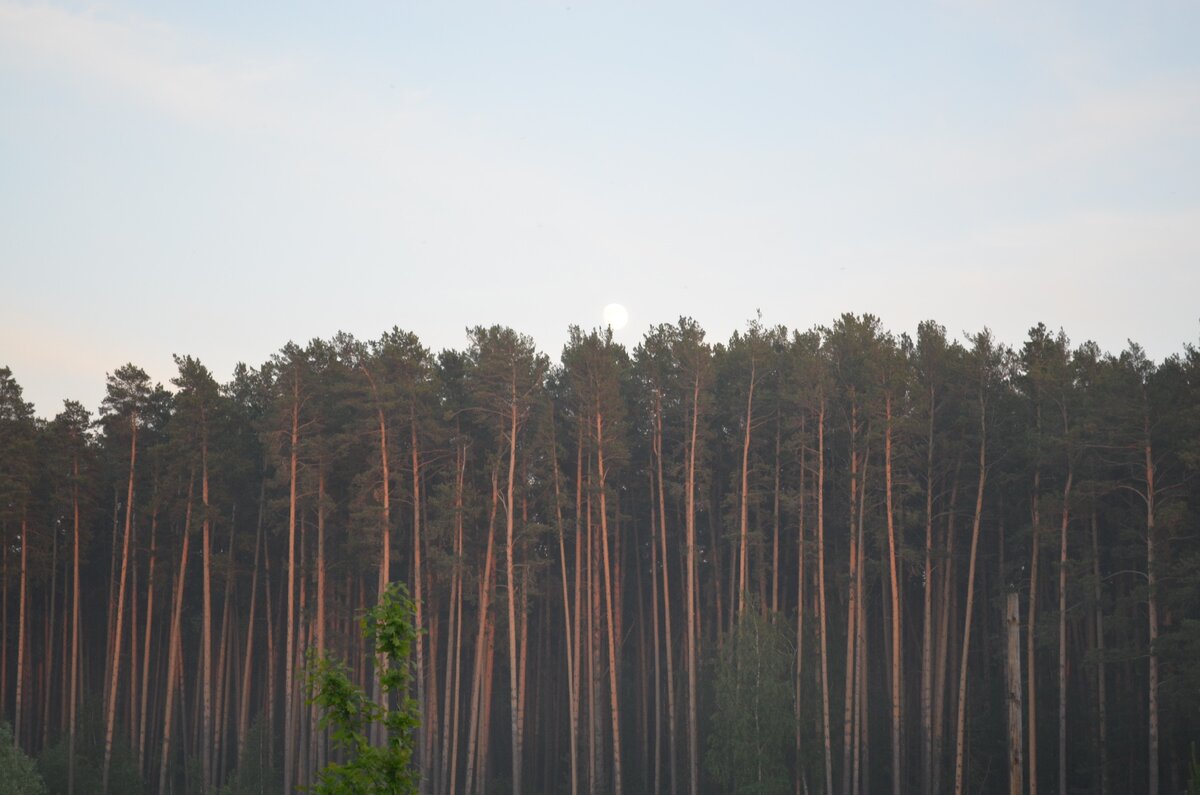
834, 561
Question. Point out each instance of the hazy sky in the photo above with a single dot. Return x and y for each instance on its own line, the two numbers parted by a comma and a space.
218, 178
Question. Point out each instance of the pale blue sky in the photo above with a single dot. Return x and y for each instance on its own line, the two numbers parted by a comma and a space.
216, 179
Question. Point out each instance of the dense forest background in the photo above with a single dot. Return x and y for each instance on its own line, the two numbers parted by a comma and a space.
828, 561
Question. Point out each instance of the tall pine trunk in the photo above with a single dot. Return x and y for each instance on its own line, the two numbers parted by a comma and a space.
672, 744
1152, 611
692, 596
75, 628
1062, 635
572, 702
897, 637
1101, 699
743, 518
289, 715
422, 759
110, 714
960, 724
510, 526
822, 608
927, 615
613, 640
1012, 623
175, 651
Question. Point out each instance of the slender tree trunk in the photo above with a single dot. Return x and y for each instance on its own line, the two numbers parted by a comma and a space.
509, 525
4, 623
692, 596
422, 760
572, 704
1012, 622
47, 690
146, 641
966, 644
247, 671
851, 612
801, 777
897, 637
385, 549
173, 642
1062, 635
222, 679
775, 511
20, 688
943, 640
1031, 624
613, 640
1152, 608
653, 732
593, 624
744, 523
1101, 700
927, 616
111, 710
454, 637
75, 629
672, 744
289, 716
861, 748
822, 608
481, 638
131, 701
206, 725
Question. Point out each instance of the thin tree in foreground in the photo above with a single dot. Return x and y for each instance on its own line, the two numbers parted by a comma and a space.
347, 711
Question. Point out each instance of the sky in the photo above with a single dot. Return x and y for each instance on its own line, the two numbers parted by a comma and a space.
216, 179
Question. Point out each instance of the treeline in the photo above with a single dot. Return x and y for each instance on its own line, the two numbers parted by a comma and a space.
584, 538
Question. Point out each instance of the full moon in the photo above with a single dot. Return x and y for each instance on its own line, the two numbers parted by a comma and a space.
616, 316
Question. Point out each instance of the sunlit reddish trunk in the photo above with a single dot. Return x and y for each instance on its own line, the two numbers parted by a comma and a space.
111, 710
801, 779
966, 644
822, 610
1031, 621
692, 596
897, 637
422, 757
1062, 634
206, 674
289, 715
1152, 607
1101, 699
247, 671
572, 702
851, 690
174, 654
75, 629
385, 548
146, 640
485, 595
672, 752
927, 615
20, 688
744, 521
454, 636
510, 580
942, 641
613, 639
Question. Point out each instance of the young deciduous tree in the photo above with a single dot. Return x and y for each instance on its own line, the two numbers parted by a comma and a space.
346, 710
753, 719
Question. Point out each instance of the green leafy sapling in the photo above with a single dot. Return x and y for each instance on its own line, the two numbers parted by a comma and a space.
348, 712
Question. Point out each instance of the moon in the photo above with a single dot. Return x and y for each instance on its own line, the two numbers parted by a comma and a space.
616, 316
